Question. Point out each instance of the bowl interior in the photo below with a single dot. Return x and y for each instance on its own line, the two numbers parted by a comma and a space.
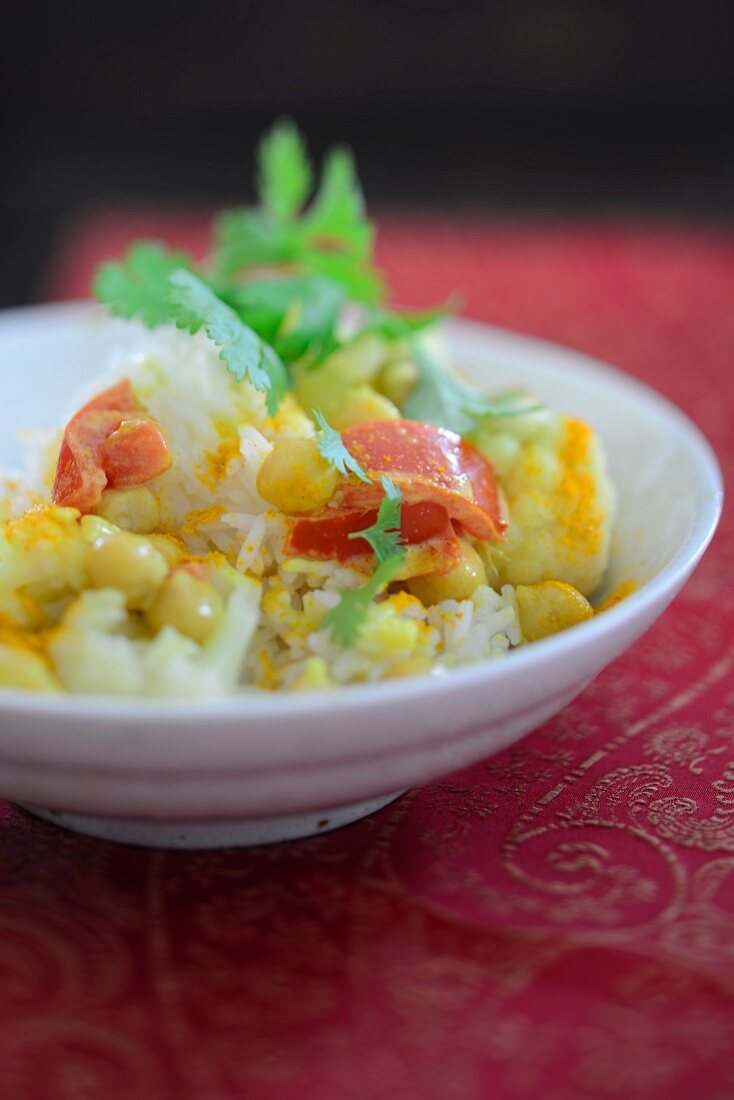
666, 478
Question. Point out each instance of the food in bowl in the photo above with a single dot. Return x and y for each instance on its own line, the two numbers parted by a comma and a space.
278, 483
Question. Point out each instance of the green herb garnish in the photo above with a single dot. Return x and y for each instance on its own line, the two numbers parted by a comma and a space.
443, 399
384, 535
297, 314
275, 286
157, 286
284, 173
318, 258
405, 324
138, 286
346, 618
332, 238
246, 355
331, 447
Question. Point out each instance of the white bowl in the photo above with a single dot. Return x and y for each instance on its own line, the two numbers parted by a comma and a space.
258, 768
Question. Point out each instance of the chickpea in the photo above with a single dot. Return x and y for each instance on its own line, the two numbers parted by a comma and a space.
549, 607
397, 380
192, 606
296, 478
130, 564
359, 404
94, 527
136, 509
458, 584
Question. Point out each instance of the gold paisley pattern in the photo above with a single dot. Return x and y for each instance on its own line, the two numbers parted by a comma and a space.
556, 922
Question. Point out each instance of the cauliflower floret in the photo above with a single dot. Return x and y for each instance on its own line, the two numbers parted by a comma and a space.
95, 649
42, 559
503, 440
560, 502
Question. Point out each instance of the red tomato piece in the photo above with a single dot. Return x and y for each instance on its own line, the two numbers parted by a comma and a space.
135, 452
118, 398
80, 476
445, 482
328, 535
427, 464
99, 449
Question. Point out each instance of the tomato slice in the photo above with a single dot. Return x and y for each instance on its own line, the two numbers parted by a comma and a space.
105, 443
80, 477
445, 482
135, 452
426, 463
328, 534
118, 398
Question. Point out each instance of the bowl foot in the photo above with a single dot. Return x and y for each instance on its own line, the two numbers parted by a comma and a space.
213, 834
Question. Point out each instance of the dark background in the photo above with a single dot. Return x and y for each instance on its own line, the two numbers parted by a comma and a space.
516, 106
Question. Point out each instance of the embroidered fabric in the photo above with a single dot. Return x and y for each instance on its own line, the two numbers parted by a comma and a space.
556, 921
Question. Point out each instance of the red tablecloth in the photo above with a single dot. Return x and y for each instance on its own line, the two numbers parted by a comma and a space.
555, 922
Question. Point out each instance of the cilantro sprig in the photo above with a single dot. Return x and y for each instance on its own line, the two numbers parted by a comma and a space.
405, 324
331, 447
333, 238
157, 286
284, 173
297, 314
274, 288
138, 286
443, 399
384, 535
317, 258
347, 617
196, 306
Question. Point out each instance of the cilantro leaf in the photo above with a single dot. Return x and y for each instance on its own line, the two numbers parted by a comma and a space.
443, 399
244, 238
196, 306
284, 174
334, 237
337, 214
331, 447
158, 286
249, 238
361, 281
137, 286
440, 398
337, 239
296, 314
346, 618
384, 535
